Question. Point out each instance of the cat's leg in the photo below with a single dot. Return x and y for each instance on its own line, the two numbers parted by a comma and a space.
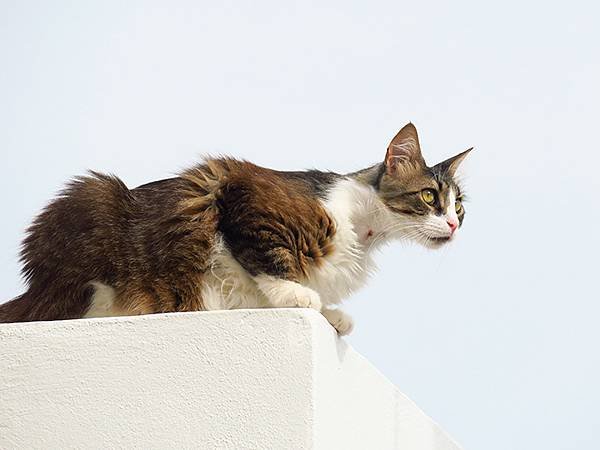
133, 299
339, 320
287, 294
183, 294
277, 231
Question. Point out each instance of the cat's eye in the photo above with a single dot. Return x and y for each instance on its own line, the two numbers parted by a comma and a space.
428, 196
457, 205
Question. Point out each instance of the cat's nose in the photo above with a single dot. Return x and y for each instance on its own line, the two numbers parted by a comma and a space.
453, 224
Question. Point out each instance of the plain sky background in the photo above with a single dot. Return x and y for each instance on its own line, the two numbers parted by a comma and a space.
496, 337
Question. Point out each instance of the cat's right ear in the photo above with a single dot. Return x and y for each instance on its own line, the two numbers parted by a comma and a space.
404, 151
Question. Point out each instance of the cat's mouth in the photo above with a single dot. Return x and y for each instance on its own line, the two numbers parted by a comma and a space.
441, 239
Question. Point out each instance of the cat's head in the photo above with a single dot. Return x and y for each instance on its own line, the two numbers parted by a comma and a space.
426, 202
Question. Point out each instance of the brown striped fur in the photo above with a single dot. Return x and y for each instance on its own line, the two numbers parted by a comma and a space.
153, 244
271, 224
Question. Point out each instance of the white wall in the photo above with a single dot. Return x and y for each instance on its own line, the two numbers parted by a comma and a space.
228, 380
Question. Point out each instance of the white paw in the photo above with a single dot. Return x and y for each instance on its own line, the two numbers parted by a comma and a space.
298, 296
288, 294
339, 320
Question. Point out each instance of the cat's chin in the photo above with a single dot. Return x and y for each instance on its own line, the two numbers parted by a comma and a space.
435, 242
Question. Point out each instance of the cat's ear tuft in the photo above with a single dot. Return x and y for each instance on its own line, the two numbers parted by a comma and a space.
451, 164
404, 150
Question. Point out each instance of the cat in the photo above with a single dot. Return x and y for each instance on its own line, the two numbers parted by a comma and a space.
229, 234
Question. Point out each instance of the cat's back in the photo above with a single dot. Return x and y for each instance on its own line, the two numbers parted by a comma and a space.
250, 197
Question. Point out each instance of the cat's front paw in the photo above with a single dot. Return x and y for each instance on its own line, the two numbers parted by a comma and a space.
339, 320
288, 294
298, 296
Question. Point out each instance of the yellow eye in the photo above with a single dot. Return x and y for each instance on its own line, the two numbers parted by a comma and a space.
428, 196
457, 205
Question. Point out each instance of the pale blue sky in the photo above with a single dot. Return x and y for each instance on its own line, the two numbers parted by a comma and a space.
496, 337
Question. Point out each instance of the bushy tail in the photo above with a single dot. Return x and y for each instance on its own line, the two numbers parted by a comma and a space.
47, 305
14, 310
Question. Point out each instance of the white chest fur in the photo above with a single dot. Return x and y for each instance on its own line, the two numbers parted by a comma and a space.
358, 213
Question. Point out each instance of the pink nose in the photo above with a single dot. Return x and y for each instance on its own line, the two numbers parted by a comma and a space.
452, 224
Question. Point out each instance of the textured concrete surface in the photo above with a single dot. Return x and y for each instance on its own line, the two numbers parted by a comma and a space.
246, 379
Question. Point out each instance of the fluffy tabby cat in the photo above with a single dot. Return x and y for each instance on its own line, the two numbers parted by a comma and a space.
229, 234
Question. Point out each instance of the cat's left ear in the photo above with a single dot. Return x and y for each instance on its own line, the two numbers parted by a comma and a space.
404, 151
451, 164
